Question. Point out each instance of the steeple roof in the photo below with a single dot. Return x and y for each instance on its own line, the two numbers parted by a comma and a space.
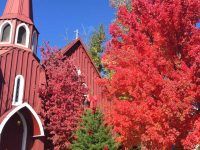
19, 9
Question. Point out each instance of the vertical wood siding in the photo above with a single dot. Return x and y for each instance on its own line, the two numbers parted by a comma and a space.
78, 55
19, 62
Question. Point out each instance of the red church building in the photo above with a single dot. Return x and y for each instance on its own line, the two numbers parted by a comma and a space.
76, 51
21, 76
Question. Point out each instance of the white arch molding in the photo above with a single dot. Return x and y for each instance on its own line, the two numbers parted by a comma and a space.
2, 26
24, 138
16, 110
27, 35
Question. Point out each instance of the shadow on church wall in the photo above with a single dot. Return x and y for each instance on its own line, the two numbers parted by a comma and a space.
2, 81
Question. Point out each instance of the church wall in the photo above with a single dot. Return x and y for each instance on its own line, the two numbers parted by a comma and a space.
19, 62
82, 61
38, 144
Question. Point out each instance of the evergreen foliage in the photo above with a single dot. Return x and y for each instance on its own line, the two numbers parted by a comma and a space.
96, 46
93, 134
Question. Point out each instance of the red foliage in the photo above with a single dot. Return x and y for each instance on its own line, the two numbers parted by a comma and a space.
154, 54
106, 148
62, 98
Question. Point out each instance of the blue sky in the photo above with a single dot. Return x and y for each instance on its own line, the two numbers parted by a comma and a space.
57, 20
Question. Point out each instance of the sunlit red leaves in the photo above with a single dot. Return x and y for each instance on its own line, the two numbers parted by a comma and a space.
62, 98
154, 55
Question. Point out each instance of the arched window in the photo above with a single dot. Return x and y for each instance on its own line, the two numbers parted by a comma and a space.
21, 39
6, 33
34, 42
18, 90
22, 35
6, 29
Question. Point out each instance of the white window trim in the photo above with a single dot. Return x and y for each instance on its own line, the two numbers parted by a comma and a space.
21, 90
33, 44
1, 31
15, 110
27, 35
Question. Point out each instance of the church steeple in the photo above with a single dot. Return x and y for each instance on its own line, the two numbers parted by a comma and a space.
19, 9
16, 25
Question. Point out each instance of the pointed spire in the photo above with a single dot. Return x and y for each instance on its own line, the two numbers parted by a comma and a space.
20, 9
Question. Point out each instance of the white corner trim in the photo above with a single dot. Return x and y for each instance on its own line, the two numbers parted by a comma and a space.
21, 91
24, 138
1, 31
27, 35
15, 110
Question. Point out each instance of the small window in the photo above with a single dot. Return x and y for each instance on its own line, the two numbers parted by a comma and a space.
21, 39
22, 35
6, 33
18, 90
34, 42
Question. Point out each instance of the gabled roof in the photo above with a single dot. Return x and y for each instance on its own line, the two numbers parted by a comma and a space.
6, 49
18, 9
69, 48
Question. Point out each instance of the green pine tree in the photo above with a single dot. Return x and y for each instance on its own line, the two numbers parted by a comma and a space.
96, 46
93, 134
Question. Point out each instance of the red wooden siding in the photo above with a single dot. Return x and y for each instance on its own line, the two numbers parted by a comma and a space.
13, 62
77, 52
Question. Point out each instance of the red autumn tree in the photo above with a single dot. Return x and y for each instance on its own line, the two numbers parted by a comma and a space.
154, 55
62, 98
